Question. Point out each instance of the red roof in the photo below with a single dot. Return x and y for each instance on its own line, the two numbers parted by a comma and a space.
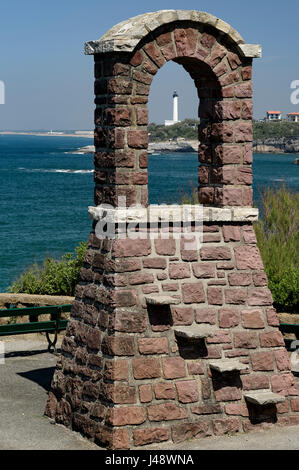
273, 112
293, 114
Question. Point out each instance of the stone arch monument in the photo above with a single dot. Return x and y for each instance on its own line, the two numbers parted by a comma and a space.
164, 342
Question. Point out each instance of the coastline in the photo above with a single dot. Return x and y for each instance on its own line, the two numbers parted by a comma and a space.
47, 134
191, 147
271, 145
276, 145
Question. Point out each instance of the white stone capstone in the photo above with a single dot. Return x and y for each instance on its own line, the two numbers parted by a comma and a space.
251, 50
223, 26
126, 35
173, 213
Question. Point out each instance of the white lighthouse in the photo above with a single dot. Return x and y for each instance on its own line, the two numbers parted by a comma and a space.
175, 117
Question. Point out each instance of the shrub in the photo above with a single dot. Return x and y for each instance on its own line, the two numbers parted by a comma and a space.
53, 277
278, 240
191, 197
189, 130
276, 130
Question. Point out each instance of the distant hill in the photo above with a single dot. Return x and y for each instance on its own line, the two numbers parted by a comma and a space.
277, 130
269, 137
187, 129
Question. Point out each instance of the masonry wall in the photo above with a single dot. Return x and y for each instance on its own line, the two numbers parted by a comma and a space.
124, 379
223, 82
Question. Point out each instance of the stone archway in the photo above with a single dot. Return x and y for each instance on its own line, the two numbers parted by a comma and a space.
166, 343
220, 64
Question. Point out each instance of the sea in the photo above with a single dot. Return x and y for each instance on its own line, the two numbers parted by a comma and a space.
46, 188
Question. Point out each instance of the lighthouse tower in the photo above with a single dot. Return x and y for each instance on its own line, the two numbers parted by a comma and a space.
175, 117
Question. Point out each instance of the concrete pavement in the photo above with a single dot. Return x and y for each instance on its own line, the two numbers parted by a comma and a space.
24, 382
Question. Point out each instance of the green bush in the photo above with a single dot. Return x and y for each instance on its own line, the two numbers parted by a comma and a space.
189, 130
54, 277
277, 130
278, 240
191, 197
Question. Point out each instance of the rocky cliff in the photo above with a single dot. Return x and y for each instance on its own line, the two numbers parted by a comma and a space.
283, 145
173, 146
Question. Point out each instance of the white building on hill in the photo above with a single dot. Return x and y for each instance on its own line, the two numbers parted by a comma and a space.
175, 118
273, 116
293, 117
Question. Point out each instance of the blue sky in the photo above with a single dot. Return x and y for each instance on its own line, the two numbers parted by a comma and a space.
49, 80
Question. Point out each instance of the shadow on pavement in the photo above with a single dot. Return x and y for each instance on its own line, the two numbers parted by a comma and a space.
30, 353
42, 377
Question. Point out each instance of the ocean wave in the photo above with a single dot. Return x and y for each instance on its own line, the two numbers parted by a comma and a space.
74, 152
287, 179
74, 171
54, 170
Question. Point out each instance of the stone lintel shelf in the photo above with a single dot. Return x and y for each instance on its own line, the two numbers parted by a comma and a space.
176, 214
228, 366
194, 332
161, 300
264, 398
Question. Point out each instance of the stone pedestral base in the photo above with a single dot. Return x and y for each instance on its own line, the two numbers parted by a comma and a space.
128, 375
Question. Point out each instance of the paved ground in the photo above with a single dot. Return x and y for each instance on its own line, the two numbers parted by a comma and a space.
24, 381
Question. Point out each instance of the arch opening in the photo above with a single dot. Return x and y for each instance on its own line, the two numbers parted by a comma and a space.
223, 82
137, 298
173, 136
